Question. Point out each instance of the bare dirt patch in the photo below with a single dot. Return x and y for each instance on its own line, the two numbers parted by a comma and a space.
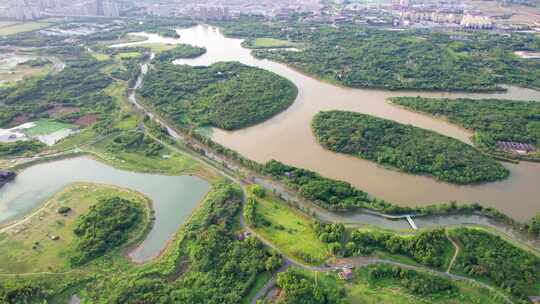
86, 120
18, 120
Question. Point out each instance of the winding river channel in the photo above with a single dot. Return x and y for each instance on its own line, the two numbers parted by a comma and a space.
287, 137
173, 197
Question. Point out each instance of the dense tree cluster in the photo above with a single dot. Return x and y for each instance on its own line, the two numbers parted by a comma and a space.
299, 288
80, 85
534, 225
428, 248
493, 119
333, 234
38, 62
105, 226
250, 214
180, 51
330, 233
406, 147
20, 147
414, 59
326, 192
24, 292
485, 255
416, 282
227, 95
135, 141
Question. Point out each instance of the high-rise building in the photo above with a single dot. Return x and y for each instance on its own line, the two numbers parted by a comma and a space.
99, 8
110, 8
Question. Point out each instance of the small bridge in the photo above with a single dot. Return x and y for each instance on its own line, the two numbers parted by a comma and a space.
408, 217
411, 222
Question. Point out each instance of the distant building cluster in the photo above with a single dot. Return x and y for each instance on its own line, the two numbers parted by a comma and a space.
229, 9
476, 22
210, 12
431, 16
35, 9
100, 8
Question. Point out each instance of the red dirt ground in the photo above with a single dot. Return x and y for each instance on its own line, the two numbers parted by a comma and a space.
86, 120
19, 119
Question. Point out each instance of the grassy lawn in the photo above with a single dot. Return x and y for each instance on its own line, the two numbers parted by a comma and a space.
167, 162
128, 55
100, 57
289, 230
158, 47
45, 126
76, 139
389, 291
271, 43
28, 247
127, 118
23, 27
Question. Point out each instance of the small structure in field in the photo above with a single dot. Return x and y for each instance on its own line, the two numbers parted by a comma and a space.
6, 176
64, 210
516, 147
244, 235
346, 274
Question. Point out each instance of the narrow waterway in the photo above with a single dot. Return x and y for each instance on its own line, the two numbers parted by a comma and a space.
173, 197
288, 138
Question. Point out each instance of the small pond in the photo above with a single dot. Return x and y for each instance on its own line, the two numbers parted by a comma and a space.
174, 197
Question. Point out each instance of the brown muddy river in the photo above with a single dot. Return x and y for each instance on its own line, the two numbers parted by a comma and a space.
288, 138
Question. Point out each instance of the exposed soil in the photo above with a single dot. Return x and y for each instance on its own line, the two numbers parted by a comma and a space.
19, 119
86, 120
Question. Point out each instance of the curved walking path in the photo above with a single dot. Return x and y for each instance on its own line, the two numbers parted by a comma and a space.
456, 252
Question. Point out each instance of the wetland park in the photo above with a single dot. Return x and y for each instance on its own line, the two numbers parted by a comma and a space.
172, 161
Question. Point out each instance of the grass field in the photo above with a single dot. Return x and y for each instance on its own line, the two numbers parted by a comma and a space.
44, 127
158, 47
28, 247
271, 43
100, 57
76, 139
129, 55
290, 230
127, 119
21, 27
167, 162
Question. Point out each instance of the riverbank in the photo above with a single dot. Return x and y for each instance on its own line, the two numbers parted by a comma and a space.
291, 141
218, 149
